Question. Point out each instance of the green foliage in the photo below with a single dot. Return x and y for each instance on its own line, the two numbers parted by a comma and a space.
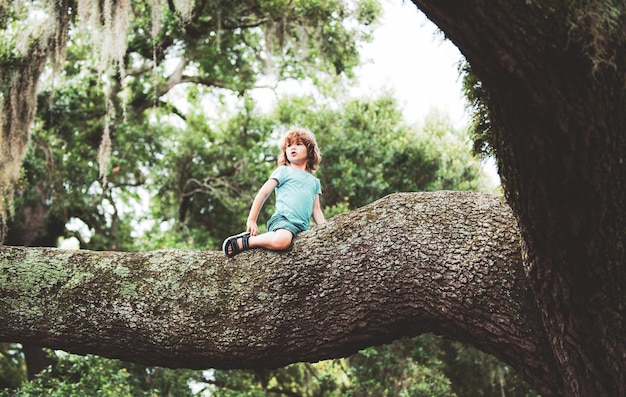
422, 366
368, 152
429, 365
395, 370
472, 372
326, 378
12, 367
450, 148
92, 376
15, 27
158, 381
206, 177
219, 53
62, 143
78, 376
481, 131
208, 173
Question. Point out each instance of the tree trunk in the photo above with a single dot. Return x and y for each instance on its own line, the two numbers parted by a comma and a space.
36, 360
558, 114
447, 262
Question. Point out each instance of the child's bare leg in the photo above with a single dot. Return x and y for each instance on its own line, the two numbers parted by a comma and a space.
277, 240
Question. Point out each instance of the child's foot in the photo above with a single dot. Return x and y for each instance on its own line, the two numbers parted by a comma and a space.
232, 247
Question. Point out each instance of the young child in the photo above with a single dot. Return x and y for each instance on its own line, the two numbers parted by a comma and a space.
297, 197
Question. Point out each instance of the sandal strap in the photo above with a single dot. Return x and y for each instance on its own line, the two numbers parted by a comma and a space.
234, 246
244, 241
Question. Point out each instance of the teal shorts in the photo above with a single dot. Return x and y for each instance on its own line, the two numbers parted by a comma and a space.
278, 221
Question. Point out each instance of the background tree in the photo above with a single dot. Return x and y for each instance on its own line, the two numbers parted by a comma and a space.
135, 62
12, 367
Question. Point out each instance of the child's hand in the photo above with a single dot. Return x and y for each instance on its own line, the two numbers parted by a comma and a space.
252, 228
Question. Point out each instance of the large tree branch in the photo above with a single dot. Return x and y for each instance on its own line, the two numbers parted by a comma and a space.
446, 262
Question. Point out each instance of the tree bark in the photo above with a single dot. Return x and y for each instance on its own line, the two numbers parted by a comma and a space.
554, 74
446, 262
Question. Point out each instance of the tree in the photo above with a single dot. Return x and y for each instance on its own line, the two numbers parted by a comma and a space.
89, 375
355, 288
113, 66
552, 80
206, 176
368, 152
151, 305
12, 373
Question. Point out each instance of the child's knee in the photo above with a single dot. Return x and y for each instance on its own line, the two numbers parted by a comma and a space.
282, 240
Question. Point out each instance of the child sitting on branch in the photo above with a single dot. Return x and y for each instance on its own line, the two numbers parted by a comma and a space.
297, 197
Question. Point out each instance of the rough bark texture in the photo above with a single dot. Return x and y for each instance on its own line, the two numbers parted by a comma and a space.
555, 76
446, 262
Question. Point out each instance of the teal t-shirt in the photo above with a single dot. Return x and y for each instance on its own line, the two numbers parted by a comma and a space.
295, 195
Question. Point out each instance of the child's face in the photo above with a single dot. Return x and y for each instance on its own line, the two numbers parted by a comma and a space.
296, 152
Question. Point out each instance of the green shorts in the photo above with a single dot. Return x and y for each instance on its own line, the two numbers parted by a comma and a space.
278, 221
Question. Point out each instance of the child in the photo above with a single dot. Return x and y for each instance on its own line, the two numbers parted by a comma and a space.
297, 197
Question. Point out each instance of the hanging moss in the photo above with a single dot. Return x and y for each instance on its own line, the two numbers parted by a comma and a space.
18, 110
597, 25
25, 50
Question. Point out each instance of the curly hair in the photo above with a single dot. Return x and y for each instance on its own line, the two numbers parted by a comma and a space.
304, 135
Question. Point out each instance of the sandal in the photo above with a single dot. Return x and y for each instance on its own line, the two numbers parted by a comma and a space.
231, 243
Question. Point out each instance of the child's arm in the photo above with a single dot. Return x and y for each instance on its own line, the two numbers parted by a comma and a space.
318, 215
267, 189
